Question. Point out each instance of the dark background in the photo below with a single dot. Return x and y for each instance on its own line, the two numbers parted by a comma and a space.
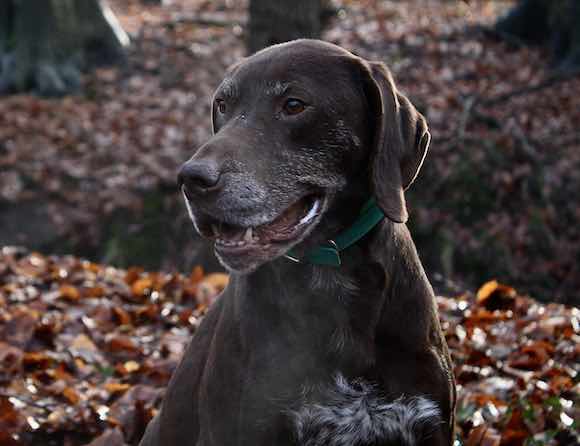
92, 131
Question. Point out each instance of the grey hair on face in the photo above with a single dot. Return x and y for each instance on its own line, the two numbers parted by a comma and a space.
356, 415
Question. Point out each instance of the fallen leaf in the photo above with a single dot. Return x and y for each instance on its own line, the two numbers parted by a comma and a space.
495, 296
483, 436
70, 293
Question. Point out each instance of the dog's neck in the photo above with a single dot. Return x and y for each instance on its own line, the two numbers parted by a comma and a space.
358, 299
284, 280
327, 310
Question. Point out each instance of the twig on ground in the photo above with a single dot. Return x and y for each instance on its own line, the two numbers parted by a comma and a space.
203, 20
468, 106
523, 140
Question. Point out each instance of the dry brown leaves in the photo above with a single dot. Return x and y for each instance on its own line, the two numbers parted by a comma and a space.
517, 365
86, 349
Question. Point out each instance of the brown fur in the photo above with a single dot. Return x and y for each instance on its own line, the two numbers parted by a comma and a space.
281, 332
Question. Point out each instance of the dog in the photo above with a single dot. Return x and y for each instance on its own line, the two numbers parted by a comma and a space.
327, 333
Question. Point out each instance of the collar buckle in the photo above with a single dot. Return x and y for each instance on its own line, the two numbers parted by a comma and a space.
329, 255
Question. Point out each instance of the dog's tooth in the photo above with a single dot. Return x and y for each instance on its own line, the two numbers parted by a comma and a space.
214, 228
248, 236
311, 213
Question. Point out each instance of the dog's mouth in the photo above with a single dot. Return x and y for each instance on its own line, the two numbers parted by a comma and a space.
286, 227
239, 246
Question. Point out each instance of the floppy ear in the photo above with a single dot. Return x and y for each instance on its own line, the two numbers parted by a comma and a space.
400, 142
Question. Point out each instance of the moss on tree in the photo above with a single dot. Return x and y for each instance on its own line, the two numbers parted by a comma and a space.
45, 45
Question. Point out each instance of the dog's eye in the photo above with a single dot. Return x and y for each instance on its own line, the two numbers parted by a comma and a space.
294, 106
221, 105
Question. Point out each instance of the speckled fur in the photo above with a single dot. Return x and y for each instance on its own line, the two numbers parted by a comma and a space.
356, 414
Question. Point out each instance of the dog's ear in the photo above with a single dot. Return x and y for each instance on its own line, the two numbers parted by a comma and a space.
400, 140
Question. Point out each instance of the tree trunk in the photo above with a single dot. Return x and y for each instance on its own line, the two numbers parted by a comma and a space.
552, 22
274, 22
5, 26
566, 38
44, 45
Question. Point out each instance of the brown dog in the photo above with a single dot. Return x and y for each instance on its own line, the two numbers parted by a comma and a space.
320, 351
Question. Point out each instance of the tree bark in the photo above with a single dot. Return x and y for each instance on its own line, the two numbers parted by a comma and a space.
552, 22
566, 39
44, 45
274, 22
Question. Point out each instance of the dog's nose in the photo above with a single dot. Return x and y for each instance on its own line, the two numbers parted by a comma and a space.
199, 176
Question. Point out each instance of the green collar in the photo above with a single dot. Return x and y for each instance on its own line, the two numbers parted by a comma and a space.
370, 215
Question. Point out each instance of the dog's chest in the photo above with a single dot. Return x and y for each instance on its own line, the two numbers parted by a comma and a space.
250, 394
249, 398
279, 343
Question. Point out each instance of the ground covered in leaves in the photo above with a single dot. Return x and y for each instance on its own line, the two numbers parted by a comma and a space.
497, 196
86, 350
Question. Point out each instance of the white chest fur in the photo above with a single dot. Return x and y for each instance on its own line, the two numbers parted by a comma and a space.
356, 414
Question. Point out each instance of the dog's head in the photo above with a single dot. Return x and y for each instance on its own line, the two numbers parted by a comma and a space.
304, 133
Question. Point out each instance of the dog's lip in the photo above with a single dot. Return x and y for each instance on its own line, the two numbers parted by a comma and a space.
286, 227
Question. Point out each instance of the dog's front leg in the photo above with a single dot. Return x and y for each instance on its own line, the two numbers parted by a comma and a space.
151, 436
177, 423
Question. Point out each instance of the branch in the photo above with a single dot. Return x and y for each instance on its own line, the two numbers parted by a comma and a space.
519, 134
490, 31
548, 82
470, 112
559, 139
204, 20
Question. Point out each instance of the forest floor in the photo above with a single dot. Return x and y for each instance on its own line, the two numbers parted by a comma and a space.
86, 348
